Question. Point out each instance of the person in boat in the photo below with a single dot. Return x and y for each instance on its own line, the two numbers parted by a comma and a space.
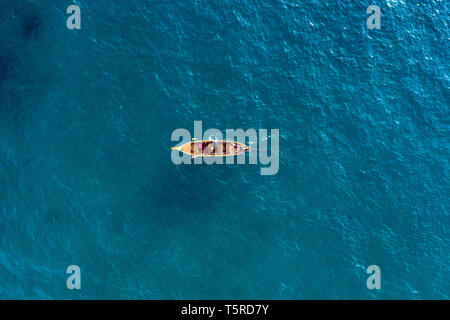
214, 148
204, 147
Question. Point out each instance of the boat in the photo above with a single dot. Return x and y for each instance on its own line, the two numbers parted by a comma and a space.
213, 148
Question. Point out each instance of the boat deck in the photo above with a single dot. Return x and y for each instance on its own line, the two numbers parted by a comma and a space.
214, 148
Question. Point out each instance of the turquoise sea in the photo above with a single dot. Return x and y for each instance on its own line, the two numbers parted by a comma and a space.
86, 176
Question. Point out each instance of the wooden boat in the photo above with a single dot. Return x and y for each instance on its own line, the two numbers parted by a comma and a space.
212, 148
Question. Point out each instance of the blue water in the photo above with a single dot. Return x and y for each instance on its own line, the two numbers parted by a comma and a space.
86, 176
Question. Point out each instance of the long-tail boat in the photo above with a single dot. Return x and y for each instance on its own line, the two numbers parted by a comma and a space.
212, 148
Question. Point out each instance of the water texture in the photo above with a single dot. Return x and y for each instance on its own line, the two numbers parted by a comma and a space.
86, 176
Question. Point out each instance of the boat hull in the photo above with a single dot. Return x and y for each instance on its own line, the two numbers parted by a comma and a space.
211, 148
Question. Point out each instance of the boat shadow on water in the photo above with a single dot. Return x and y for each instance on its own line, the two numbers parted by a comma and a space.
197, 191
